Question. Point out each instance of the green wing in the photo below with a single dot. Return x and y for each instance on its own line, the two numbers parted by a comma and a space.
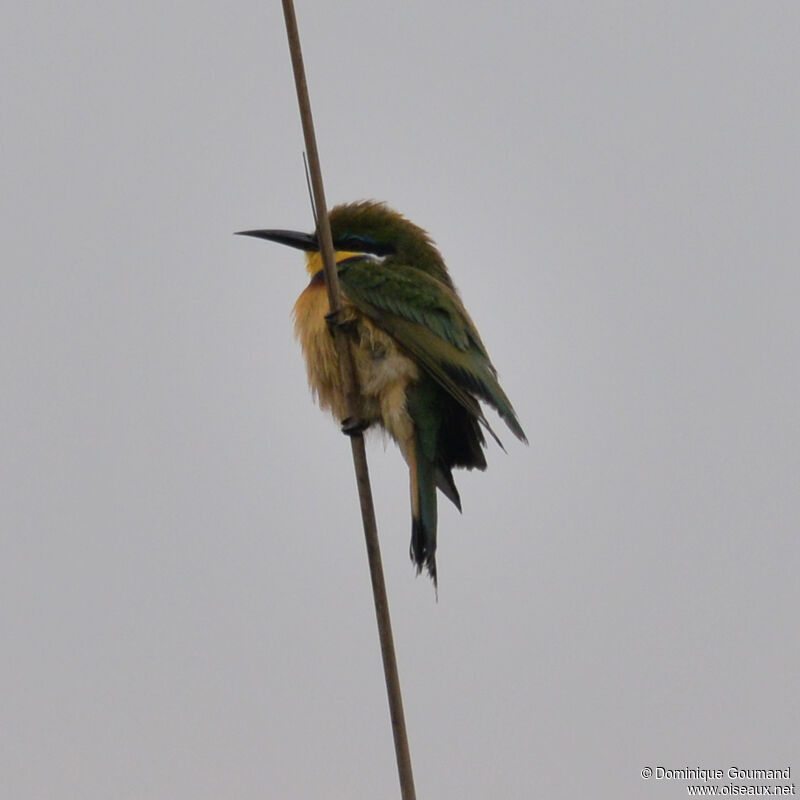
429, 321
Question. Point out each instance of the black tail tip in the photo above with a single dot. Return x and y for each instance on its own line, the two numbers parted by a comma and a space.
423, 550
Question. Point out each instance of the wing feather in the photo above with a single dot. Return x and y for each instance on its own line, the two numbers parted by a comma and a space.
427, 318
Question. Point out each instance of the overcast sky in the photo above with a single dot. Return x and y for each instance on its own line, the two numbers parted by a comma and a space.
184, 594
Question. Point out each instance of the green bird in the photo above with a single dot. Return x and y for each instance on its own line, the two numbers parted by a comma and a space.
420, 363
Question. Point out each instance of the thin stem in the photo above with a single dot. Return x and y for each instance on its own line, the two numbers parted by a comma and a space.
350, 384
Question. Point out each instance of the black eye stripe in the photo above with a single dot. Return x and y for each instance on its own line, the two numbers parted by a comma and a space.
362, 244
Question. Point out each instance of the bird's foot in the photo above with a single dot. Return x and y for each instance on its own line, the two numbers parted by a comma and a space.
352, 426
336, 321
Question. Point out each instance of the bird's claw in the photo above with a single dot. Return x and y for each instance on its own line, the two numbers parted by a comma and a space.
352, 426
336, 321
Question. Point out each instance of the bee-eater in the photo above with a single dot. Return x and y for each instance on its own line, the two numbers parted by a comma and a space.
420, 364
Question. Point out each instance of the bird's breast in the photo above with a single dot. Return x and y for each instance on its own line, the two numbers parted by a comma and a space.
383, 370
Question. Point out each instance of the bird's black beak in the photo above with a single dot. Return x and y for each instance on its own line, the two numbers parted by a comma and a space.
300, 241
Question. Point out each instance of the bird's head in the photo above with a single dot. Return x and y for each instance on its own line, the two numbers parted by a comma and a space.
366, 228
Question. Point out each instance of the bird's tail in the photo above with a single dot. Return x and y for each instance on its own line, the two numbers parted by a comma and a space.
423, 510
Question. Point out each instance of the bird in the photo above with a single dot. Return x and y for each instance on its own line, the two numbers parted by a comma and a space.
420, 365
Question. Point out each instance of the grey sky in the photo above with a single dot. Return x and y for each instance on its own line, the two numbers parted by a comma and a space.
184, 596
